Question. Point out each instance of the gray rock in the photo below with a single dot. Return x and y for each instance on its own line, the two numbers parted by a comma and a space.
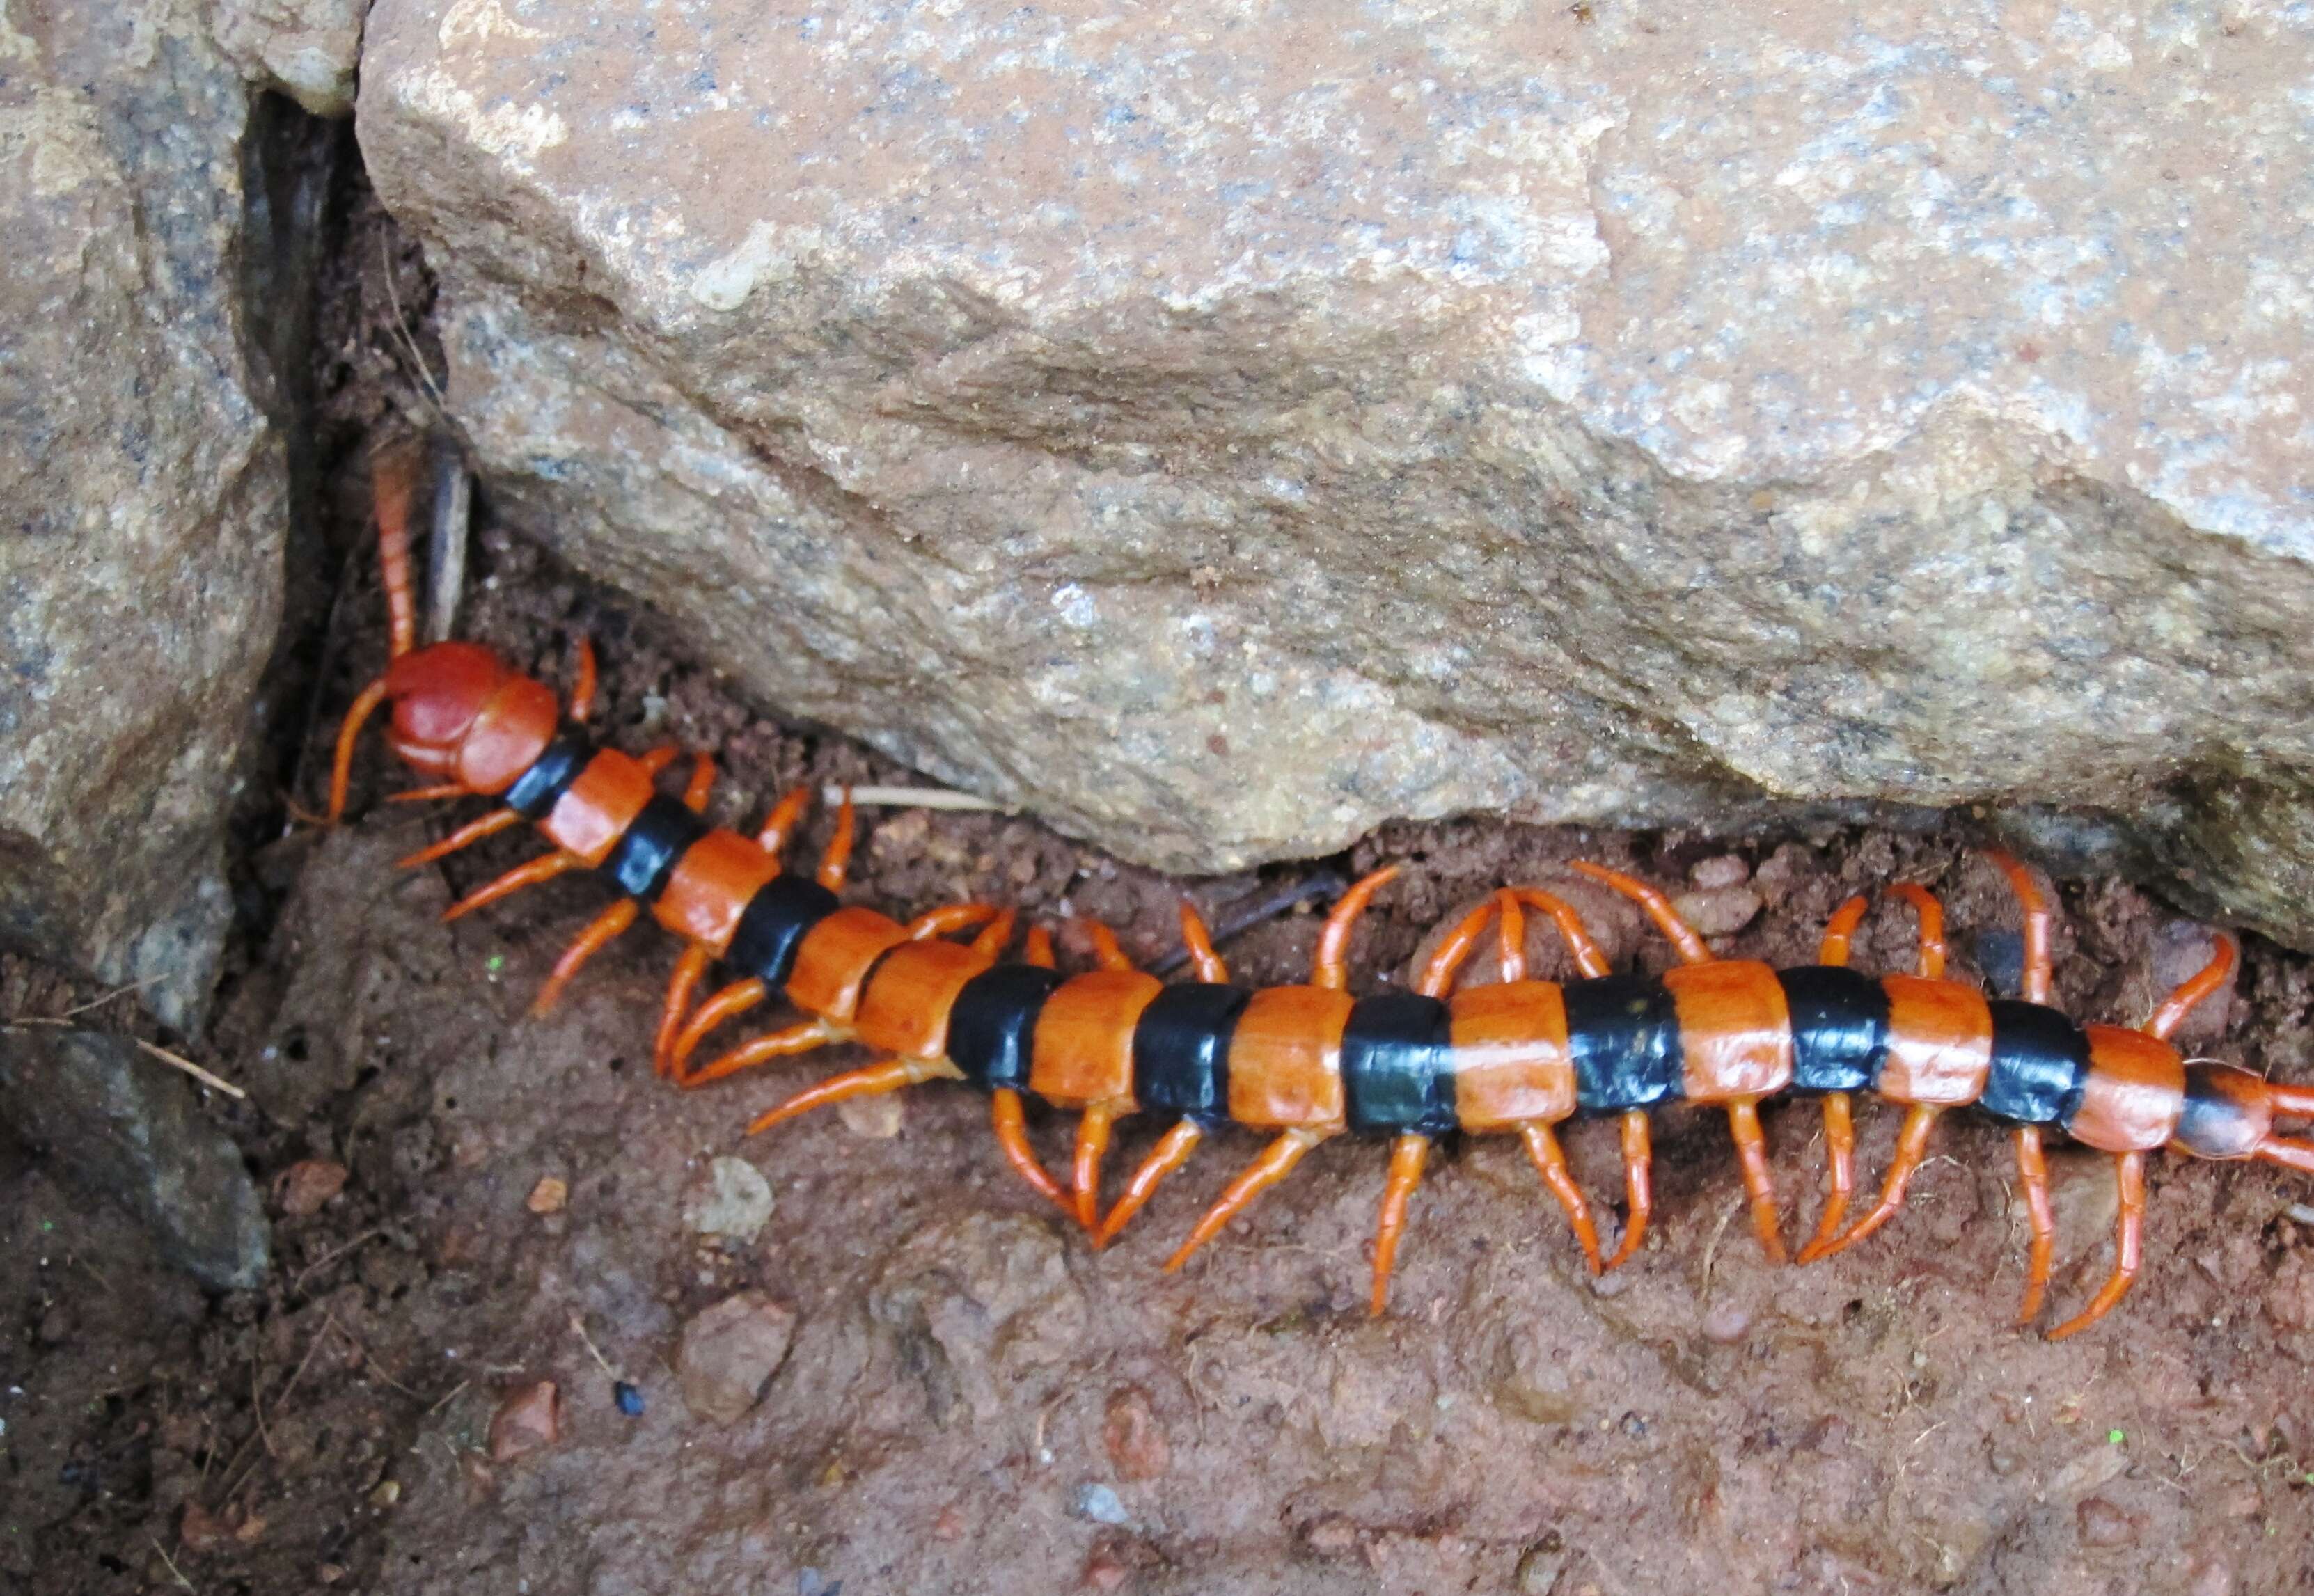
306, 48
142, 493
128, 1128
1220, 438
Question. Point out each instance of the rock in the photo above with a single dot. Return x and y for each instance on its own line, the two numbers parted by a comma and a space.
1100, 1505
128, 1129
549, 1195
1133, 1437
305, 1186
983, 1311
872, 1119
730, 1353
529, 1418
1221, 445
305, 48
1720, 911
143, 493
734, 1202
2105, 1523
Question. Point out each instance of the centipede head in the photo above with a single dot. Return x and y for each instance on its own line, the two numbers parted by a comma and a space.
459, 713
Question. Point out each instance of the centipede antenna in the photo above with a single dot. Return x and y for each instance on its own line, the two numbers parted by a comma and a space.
2193, 990
453, 509
1325, 884
394, 485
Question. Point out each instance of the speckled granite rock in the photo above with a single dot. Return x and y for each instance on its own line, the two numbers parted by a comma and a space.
1221, 434
305, 48
141, 491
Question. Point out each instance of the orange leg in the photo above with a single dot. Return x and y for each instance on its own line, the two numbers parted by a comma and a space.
1329, 968
735, 999
1839, 931
658, 759
2033, 1175
2037, 925
1510, 937
591, 941
1911, 1147
2205, 981
795, 1039
424, 795
1092, 1144
994, 935
1437, 973
1579, 945
1013, 1136
1551, 1163
1199, 941
1638, 1184
465, 837
783, 820
2128, 1246
695, 791
950, 917
1106, 953
1406, 1155
1273, 1166
873, 1081
1758, 1185
341, 768
582, 688
1932, 927
1682, 936
543, 868
689, 971
837, 859
1036, 947
1840, 1157
1172, 1151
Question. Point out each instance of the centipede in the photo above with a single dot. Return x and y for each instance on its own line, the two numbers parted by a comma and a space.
1305, 1063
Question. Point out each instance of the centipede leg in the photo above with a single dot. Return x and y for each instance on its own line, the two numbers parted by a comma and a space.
582, 685
2033, 1177
2128, 1246
1406, 1158
1638, 1184
781, 820
1840, 1171
736, 998
425, 795
342, 765
465, 837
701, 785
1277, 1162
1758, 1185
1682, 936
1172, 1151
837, 861
1106, 954
1839, 931
1013, 1136
1911, 1147
1551, 1163
1092, 1144
1932, 965
1329, 966
795, 1039
598, 935
871, 1081
689, 971
543, 868
1199, 941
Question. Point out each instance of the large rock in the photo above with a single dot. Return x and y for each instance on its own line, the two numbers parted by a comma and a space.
126, 1129
141, 491
1221, 435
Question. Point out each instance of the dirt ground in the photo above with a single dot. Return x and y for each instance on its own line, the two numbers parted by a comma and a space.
973, 1399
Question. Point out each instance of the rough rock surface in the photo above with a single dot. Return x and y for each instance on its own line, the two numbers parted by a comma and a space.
1221, 435
306, 48
729, 1353
126, 1128
141, 491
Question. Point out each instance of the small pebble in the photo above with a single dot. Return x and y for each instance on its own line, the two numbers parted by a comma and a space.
1727, 869
734, 1201
2104, 1523
1725, 1322
1544, 1561
302, 1189
872, 1119
629, 1397
1134, 1440
529, 1419
385, 1493
1332, 1535
1721, 912
199, 1529
729, 1353
549, 1195
1100, 1505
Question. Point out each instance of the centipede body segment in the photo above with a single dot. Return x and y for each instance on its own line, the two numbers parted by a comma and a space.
1302, 1065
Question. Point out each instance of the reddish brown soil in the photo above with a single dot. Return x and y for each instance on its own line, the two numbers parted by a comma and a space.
975, 1401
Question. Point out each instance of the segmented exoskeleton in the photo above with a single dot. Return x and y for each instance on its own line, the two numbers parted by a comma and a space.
1308, 1061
